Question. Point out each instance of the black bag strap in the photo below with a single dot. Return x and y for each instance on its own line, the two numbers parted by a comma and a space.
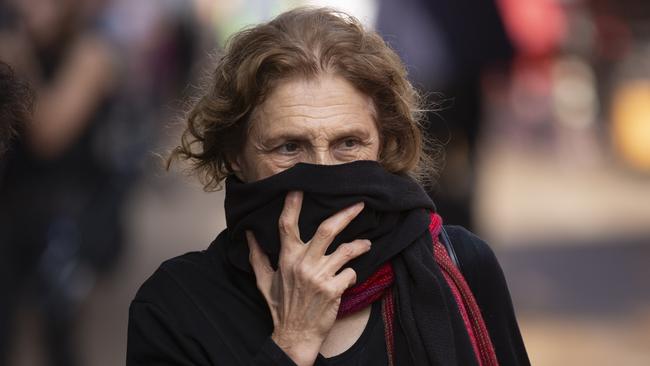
446, 242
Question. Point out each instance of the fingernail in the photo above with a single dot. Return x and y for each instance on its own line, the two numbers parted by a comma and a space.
249, 236
295, 194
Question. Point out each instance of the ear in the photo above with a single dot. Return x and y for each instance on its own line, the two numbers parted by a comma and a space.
236, 168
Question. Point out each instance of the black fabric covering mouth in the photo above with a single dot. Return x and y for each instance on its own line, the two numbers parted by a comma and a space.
395, 212
430, 330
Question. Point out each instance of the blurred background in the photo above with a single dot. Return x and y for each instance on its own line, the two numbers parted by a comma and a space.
544, 106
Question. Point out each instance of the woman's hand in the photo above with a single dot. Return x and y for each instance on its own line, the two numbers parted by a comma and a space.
304, 294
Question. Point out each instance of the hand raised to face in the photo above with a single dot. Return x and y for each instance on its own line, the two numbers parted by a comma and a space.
304, 293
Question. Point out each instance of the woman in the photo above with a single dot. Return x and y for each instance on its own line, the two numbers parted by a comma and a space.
332, 253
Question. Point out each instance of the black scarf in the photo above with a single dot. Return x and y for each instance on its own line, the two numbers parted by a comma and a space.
429, 329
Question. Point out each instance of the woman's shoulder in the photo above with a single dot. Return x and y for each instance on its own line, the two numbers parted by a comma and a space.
185, 274
484, 275
472, 251
173, 275
189, 310
194, 278
477, 260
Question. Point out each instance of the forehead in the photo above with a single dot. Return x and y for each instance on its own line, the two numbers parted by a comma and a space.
319, 91
324, 99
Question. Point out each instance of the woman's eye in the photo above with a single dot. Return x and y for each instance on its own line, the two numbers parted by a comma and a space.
289, 148
350, 143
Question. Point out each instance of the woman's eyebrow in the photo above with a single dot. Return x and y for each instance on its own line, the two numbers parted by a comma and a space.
307, 135
352, 132
287, 136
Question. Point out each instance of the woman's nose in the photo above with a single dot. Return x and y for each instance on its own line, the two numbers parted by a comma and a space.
322, 157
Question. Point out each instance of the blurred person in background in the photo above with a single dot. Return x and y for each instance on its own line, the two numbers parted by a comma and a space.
333, 253
59, 198
160, 44
448, 46
103, 70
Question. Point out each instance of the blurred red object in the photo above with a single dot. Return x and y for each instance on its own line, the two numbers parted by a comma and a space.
536, 27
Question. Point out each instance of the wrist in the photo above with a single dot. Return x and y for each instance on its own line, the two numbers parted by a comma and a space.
301, 348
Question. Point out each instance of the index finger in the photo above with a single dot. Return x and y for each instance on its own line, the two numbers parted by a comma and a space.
288, 222
331, 227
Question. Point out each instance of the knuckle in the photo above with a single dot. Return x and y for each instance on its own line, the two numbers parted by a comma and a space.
325, 231
302, 271
254, 259
330, 291
346, 250
351, 275
284, 224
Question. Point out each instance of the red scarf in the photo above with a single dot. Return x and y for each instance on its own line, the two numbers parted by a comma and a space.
379, 286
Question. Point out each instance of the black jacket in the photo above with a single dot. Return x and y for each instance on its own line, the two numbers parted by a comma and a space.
198, 309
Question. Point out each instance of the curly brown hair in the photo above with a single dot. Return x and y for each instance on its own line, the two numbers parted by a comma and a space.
16, 101
304, 42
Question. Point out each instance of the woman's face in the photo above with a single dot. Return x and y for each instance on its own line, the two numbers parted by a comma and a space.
322, 121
